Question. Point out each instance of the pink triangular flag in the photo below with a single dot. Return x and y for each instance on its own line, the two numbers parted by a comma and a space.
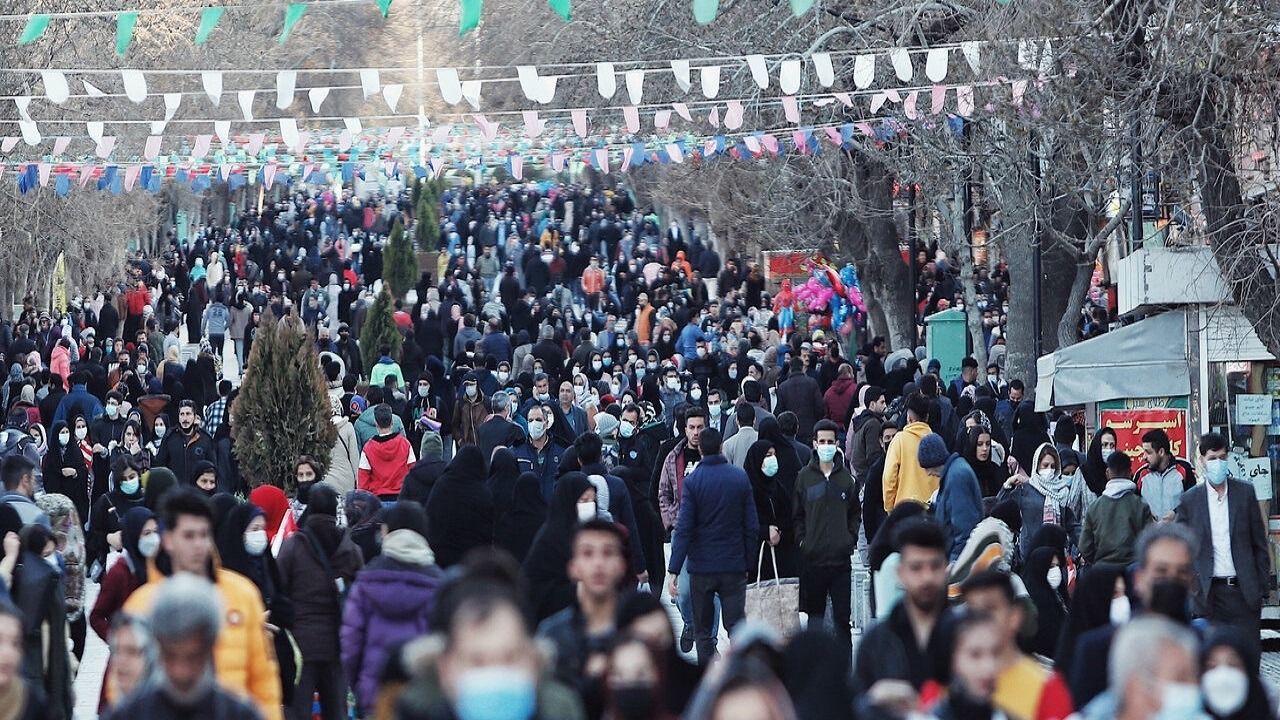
440, 134
8, 144
892, 94
602, 158
791, 108
939, 99
801, 140
579, 118
86, 174
1019, 90
866, 129
394, 136
106, 146
304, 139
770, 143
60, 145
254, 144
344, 140
964, 100
201, 148
631, 116
627, 153
753, 143
131, 176
662, 119
709, 148
533, 126
436, 165
714, 117
517, 167
683, 111
152, 149
833, 135
488, 130
844, 98
269, 175
909, 105
675, 153
733, 115
557, 161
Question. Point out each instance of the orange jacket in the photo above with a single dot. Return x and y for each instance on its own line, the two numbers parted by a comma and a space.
593, 281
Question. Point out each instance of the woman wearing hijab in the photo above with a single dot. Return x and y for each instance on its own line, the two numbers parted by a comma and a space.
315, 563
503, 473
363, 511
1043, 498
242, 544
545, 566
977, 452
773, 510
460, 510
1100, 598
69, 533
1030, 433
1045, 576
160, 480
139, 540
1095, 461
788, 460
515, 529
65, 471
275, 504
1229, 679
883, 556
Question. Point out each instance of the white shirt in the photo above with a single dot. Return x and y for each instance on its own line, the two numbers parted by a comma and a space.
1220, 533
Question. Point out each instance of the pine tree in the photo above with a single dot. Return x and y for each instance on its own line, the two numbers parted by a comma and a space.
282, 410
399, 263
426, 221
415, 184
379, 330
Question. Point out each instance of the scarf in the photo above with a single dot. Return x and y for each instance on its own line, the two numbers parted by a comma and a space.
1056, 492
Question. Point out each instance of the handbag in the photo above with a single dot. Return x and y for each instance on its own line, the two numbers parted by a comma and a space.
775, 602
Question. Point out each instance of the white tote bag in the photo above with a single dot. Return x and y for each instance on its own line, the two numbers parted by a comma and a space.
774, 602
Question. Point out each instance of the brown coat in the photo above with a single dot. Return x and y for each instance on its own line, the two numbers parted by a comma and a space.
313, 592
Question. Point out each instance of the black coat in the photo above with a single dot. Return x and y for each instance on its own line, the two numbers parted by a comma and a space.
496, 432
421, 478
515, 529
546, 565
460, 509
180, 453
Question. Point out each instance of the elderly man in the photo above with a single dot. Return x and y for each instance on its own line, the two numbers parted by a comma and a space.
1155, 670
185, 620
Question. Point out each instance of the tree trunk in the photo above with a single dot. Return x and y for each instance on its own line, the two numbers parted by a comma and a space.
1067, 330
872, 237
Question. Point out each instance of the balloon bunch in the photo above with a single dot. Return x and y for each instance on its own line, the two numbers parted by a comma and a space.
833, 299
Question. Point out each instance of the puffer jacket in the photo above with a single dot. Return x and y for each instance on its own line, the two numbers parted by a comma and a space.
243, 659
391, 601
904, 479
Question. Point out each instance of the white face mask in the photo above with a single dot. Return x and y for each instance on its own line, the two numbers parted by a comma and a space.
423, 391
673, 384
537, 429
702, 352
1106, 455
113, 410
255, 542
770, 466
586, 511
149, 545
503, 376
471, 391
1120, 610
713, 408
543, 397
160, 430
1054, 577
64, 437
82, 433
596, 365
1225, 689
695, 393
626, 428
1046, 473
615, 389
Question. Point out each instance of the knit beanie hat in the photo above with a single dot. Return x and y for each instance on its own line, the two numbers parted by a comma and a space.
932, 451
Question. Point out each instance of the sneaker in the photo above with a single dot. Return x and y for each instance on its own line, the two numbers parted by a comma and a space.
686, 639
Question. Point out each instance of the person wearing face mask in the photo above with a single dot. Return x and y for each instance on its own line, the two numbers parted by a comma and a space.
542, 452
1100, 599
106, 433
39, 591
1154, 668
1043, 498
1229, 681
1101, 448
105, 537
1234, 575
1044, 576
546, 564
139, 541
1116, 518
186, 621
65, 469
773, 512
670, 394
469, 413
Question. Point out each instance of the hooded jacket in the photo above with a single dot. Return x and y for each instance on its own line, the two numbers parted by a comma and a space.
904, 479
344, 459
838, 398
826, 513
1113, 523
460, 508
384, 462
424, 473
959, 503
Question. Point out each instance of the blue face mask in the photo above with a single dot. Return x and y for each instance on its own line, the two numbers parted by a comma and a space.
1216, 471
496, 693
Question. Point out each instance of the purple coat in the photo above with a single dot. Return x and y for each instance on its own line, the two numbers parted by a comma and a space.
389, 603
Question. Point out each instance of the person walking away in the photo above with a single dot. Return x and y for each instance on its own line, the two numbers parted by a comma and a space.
317, 564
460, 508
800, 394
903, 478
826, 514
862, 445
1114, 521
716, 534
958, 506
1233, 564
186, 622
386, 458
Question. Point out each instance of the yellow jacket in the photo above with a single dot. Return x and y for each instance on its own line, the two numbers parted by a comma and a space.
904, 479
244, 657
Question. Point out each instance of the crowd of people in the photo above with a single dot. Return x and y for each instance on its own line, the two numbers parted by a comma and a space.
591, 417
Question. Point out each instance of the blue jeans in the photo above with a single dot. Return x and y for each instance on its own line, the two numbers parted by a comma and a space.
684, 603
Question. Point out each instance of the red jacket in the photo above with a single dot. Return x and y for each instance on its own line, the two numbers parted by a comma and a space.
383, 464
839, 398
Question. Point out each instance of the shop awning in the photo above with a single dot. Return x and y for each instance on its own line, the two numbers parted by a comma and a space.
1145, 359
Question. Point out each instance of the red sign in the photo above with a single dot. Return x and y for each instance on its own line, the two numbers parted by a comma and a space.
1131, 425
781, 264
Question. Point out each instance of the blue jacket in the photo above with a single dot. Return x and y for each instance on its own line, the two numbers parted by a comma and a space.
717, 526
544, 464
80, 401
687, 342
959, 505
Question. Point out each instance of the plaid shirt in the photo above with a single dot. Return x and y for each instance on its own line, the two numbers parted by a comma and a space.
213, 416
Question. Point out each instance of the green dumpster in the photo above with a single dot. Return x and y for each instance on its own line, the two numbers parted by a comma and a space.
947, 341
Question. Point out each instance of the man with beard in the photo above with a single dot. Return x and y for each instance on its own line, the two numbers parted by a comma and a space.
185, 620
909, 647
180, 451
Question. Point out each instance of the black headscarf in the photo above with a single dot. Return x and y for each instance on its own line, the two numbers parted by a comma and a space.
223, 504
884, 543
1030, 432
1256, 706
517, 527
1050, 607
130, 531
545, 566
788, 460
1095, 467
817, 677
503, 472
460, 509
990, 475
160, 480
230, 542
1090, 609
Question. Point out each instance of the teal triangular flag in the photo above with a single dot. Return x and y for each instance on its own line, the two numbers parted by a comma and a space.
562, 8
704, 11
36, 25
208, 21
292, 15
800, 7
124, 31
385, 7
470, 16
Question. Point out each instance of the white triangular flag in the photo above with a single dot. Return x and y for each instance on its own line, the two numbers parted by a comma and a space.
289, 133
635, 85
171, 103
710, 77
201, 147
55, 86
935, 64
212, 81
30, 133
901, 60
92, 90
450, 88
157, 126
759, 71
471, 91
370, 83
864, 71
23, 102
606, 80
95, 128
317, 97
135, 85
680, 68
246, 103
152, 150
286, 82
60, 145
529, 85
972, 55
789, 76
391, 93
353, 125
825, 71
223, 129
